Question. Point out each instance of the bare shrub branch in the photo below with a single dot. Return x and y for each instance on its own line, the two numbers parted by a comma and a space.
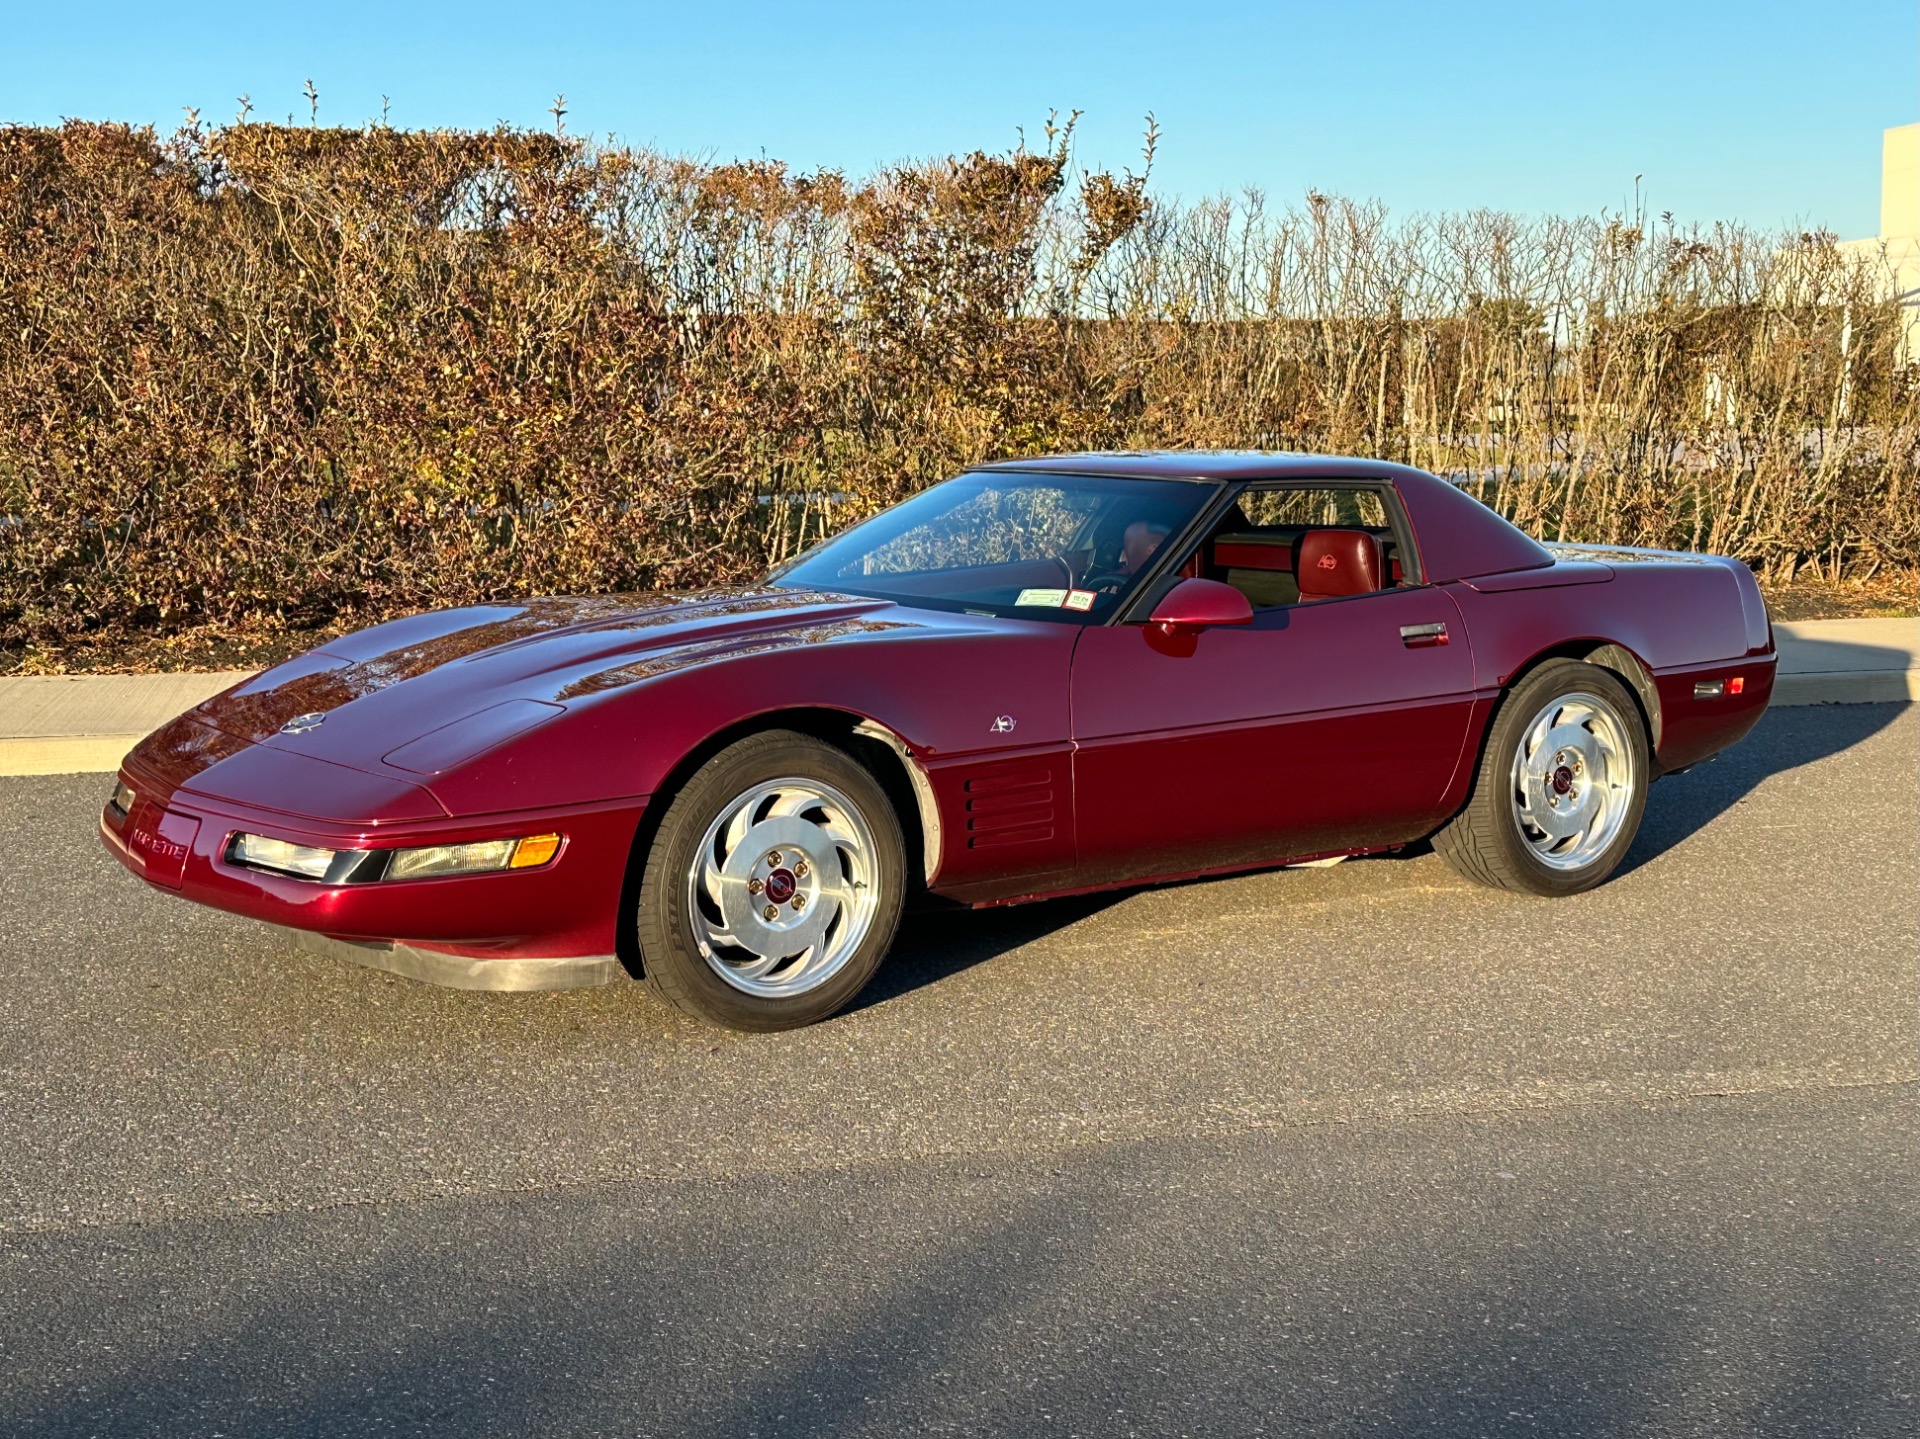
274, 374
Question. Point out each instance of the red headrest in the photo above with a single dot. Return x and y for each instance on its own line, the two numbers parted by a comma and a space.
1332, 563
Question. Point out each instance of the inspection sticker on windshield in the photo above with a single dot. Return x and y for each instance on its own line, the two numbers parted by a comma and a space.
1079, 599
1052, 599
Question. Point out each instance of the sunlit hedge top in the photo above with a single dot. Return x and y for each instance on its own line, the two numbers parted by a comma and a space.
271, 373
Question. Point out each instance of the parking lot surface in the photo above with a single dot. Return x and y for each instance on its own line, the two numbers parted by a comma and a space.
1363, 1150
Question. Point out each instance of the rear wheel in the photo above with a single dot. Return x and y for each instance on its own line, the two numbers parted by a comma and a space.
1561, 787
773, 886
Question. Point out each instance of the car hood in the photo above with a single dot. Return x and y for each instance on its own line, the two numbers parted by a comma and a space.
420, 694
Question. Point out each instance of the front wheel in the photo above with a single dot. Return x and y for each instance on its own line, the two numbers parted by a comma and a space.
773, 887
1561, 787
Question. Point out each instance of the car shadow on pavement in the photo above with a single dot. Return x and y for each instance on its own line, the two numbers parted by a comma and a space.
934, 944
1681, 805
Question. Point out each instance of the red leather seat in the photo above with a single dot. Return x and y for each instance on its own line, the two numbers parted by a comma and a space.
1332, 563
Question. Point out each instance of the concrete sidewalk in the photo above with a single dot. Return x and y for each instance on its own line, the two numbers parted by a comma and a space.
1843, 662
76, 724
73, 724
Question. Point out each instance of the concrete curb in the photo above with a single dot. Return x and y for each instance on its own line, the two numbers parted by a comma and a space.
1840, 687
81, 724
66, 754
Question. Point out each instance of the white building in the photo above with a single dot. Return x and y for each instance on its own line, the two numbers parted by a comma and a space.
1897, 246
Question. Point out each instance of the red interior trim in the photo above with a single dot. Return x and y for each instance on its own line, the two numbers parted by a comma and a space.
1242, 555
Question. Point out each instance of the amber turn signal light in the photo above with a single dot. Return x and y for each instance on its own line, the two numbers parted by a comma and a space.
535, 849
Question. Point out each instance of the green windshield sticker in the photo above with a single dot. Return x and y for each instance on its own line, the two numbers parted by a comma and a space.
1052, 599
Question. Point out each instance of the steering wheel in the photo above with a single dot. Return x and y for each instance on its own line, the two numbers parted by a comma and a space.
1113, 580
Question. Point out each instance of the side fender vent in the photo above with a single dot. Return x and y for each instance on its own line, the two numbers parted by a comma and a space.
1010, 807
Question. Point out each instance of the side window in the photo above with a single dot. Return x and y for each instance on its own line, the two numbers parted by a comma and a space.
1314, 509
1294, 544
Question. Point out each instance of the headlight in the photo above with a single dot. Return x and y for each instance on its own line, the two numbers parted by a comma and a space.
449, 859
370, 866
473, 858
282, 856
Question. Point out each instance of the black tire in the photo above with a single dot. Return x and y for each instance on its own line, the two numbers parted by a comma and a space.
671, 951
1486, 840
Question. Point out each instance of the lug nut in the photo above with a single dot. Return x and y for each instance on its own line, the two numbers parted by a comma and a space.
799, 869
772, 911
799, 903
754, 886
773, 860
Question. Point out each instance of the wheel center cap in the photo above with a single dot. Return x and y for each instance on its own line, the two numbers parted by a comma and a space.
1562, 780
781, 885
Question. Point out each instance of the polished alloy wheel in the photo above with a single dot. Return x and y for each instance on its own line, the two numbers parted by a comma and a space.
1573, 778
783, 887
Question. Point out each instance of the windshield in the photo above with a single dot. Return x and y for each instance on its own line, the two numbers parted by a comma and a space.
1006, 542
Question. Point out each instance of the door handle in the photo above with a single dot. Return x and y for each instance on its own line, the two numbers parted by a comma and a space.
1418, 637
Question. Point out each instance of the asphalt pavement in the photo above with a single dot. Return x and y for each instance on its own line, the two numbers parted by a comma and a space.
1363, 1150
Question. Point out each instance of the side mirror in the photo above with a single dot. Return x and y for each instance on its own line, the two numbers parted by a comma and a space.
1195, 605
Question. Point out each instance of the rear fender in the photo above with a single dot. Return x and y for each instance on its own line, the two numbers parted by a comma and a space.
1631, 668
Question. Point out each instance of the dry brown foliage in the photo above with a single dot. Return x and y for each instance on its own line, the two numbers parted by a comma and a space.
267, 374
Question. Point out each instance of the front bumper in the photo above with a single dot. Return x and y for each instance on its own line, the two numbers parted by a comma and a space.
453, 971
551, 927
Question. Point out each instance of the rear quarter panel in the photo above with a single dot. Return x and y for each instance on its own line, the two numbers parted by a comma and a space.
1685, 618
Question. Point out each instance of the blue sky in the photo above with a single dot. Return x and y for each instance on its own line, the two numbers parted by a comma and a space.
1765, 112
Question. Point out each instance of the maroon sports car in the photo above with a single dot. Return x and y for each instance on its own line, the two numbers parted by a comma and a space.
1041, 677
